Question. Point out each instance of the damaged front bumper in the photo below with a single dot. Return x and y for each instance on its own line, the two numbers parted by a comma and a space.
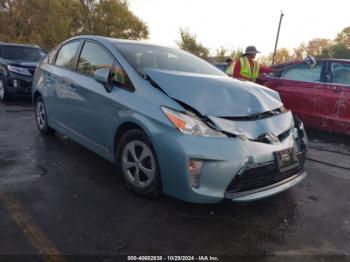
265, 179
233, 168
266, 191
18, 84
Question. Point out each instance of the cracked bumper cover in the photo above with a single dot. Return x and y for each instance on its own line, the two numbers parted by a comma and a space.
223, 159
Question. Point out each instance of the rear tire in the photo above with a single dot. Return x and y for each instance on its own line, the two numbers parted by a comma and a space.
137, 163
4, 95
41, 117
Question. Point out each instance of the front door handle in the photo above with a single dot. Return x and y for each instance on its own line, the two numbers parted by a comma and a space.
72, 87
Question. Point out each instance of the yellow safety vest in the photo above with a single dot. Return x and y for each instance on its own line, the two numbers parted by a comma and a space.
247, 72
229, 70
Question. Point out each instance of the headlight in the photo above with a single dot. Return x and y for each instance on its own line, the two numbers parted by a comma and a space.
19, 70
189, 124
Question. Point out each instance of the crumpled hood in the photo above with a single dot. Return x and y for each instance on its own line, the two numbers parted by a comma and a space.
277, 125
215, 95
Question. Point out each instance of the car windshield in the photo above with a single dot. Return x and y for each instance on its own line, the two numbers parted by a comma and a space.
147, 56
22, 53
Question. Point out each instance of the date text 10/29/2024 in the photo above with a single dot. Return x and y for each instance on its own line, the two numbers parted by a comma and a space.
173, 258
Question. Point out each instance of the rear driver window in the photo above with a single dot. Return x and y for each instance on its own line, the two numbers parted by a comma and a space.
93, 57
66, 55
341, 73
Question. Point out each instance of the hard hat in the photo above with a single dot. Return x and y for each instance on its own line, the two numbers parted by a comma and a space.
251, 50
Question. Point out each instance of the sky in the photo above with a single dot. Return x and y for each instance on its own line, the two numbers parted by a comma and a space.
237, 24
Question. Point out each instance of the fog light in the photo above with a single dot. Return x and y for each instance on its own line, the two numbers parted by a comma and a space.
15, 84
194, 171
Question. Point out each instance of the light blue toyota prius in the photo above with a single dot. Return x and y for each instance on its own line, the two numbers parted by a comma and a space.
171, 122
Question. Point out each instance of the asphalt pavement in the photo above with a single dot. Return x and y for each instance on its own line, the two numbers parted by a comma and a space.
58, 198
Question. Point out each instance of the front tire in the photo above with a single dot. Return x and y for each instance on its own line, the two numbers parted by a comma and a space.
41, 117
4, 95
138, 164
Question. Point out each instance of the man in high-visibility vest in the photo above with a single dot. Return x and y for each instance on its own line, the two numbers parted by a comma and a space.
230, 65
247, 68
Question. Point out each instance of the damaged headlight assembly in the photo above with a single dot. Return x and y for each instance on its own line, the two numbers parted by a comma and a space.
190, 124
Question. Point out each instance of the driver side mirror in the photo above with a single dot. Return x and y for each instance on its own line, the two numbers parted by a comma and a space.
110, 77
102, 76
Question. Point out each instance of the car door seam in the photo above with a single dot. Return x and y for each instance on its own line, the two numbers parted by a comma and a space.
81, 136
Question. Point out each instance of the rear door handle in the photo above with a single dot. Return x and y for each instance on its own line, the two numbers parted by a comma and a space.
336, 88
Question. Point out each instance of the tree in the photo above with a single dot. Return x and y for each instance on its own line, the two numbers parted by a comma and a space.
340, 47
236, 53
344, 37
265, 60
339, 51
49, 22
43, 22
88, 12
316, 46
282, 56
300, 52
188, 42
221, 54
114, 19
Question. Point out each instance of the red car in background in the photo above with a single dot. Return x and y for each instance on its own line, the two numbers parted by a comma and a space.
319, 94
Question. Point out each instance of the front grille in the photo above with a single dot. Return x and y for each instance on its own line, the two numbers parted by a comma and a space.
262, 176
31, 70
283, 135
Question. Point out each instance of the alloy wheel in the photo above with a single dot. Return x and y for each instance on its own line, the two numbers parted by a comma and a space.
138, 164
40, 115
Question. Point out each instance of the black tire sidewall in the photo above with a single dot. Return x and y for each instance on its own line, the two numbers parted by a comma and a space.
6, 95
154, 188
46, 129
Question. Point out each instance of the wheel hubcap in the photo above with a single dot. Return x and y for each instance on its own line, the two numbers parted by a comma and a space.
138, 164
40, 115
2, 90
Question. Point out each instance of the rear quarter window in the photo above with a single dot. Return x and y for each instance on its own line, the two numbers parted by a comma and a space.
52, 55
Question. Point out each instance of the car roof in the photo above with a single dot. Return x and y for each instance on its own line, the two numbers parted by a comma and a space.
317, 59
115, 40
333, 60
19, 45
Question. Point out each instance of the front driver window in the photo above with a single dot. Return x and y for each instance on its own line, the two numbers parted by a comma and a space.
341, 73
303, 72
93, 57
